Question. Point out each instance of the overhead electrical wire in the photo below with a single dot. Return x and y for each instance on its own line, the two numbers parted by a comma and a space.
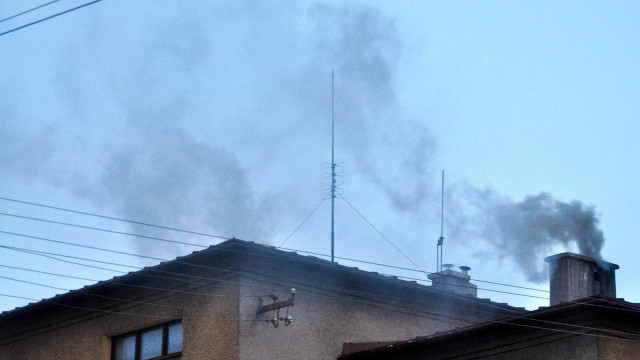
490, 321
506, 321
113, 312
216, 236
244, 273
392, 298
120, 284
28, 11
113, 218
407, 269
206, 267
161, 259
49, 17
103, 230
160, 239
226, 238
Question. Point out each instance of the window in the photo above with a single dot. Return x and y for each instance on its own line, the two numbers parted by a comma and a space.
149, 343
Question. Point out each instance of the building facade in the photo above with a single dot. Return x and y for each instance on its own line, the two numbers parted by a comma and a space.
584, 322
235, 300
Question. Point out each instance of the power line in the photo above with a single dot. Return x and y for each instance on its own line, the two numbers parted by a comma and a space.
389, 297
114, 218
506, 321
49, 17
206, 267
409, 269
226, 238
80, 245
161, 259
28, 11
154, 316
235, 271
121, 284
101, 229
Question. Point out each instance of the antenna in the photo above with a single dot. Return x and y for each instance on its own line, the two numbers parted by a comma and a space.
441, 238
333, 166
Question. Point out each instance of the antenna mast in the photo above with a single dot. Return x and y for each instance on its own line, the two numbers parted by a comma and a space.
333, 166
441, 238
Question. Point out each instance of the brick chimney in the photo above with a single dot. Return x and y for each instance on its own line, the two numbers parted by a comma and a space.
574, 276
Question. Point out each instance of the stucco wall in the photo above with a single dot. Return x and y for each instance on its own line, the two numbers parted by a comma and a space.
324, 320
210, 329
618, 349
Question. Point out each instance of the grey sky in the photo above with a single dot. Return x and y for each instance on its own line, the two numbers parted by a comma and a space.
215, 117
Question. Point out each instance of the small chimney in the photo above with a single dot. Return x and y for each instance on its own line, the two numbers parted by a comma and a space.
574, 276
456, 281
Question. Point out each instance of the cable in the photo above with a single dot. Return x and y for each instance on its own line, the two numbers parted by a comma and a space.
28, 11
207, 284
82, 246
237, 272
302, 223
383, 236
491, 321
226, 238
227, 270
49, 17
408, 269
244, 273
153, 238
103, 230
119, 284
126, 313
161, 259
114, 218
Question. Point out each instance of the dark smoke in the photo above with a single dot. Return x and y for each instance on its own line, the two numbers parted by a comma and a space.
211, 125
364, 48
166, 177
529, 230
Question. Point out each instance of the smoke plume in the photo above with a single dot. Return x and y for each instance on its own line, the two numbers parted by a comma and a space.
528, 230
210, 125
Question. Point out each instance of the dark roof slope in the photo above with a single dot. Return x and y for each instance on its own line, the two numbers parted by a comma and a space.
570, 318
236, 257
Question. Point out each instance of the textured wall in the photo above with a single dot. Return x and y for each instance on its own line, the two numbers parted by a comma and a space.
210, 329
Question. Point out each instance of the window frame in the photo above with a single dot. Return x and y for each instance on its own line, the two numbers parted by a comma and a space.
138, 341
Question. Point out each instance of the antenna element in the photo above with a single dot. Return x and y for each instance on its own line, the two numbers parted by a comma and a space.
333, 166
441, 238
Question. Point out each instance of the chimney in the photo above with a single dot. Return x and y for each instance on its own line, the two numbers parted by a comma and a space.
456, 281
574, 276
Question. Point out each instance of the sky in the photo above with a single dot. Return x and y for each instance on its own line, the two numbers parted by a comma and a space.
216, 118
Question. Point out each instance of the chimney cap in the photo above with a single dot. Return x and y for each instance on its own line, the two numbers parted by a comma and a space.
601, 263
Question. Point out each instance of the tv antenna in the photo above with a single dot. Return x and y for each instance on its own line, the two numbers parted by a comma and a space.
441, 238
335, 173
333, 166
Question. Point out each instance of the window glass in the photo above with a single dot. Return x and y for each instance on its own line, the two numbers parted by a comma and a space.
148, 343
151, 343
125, 348
174, 338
